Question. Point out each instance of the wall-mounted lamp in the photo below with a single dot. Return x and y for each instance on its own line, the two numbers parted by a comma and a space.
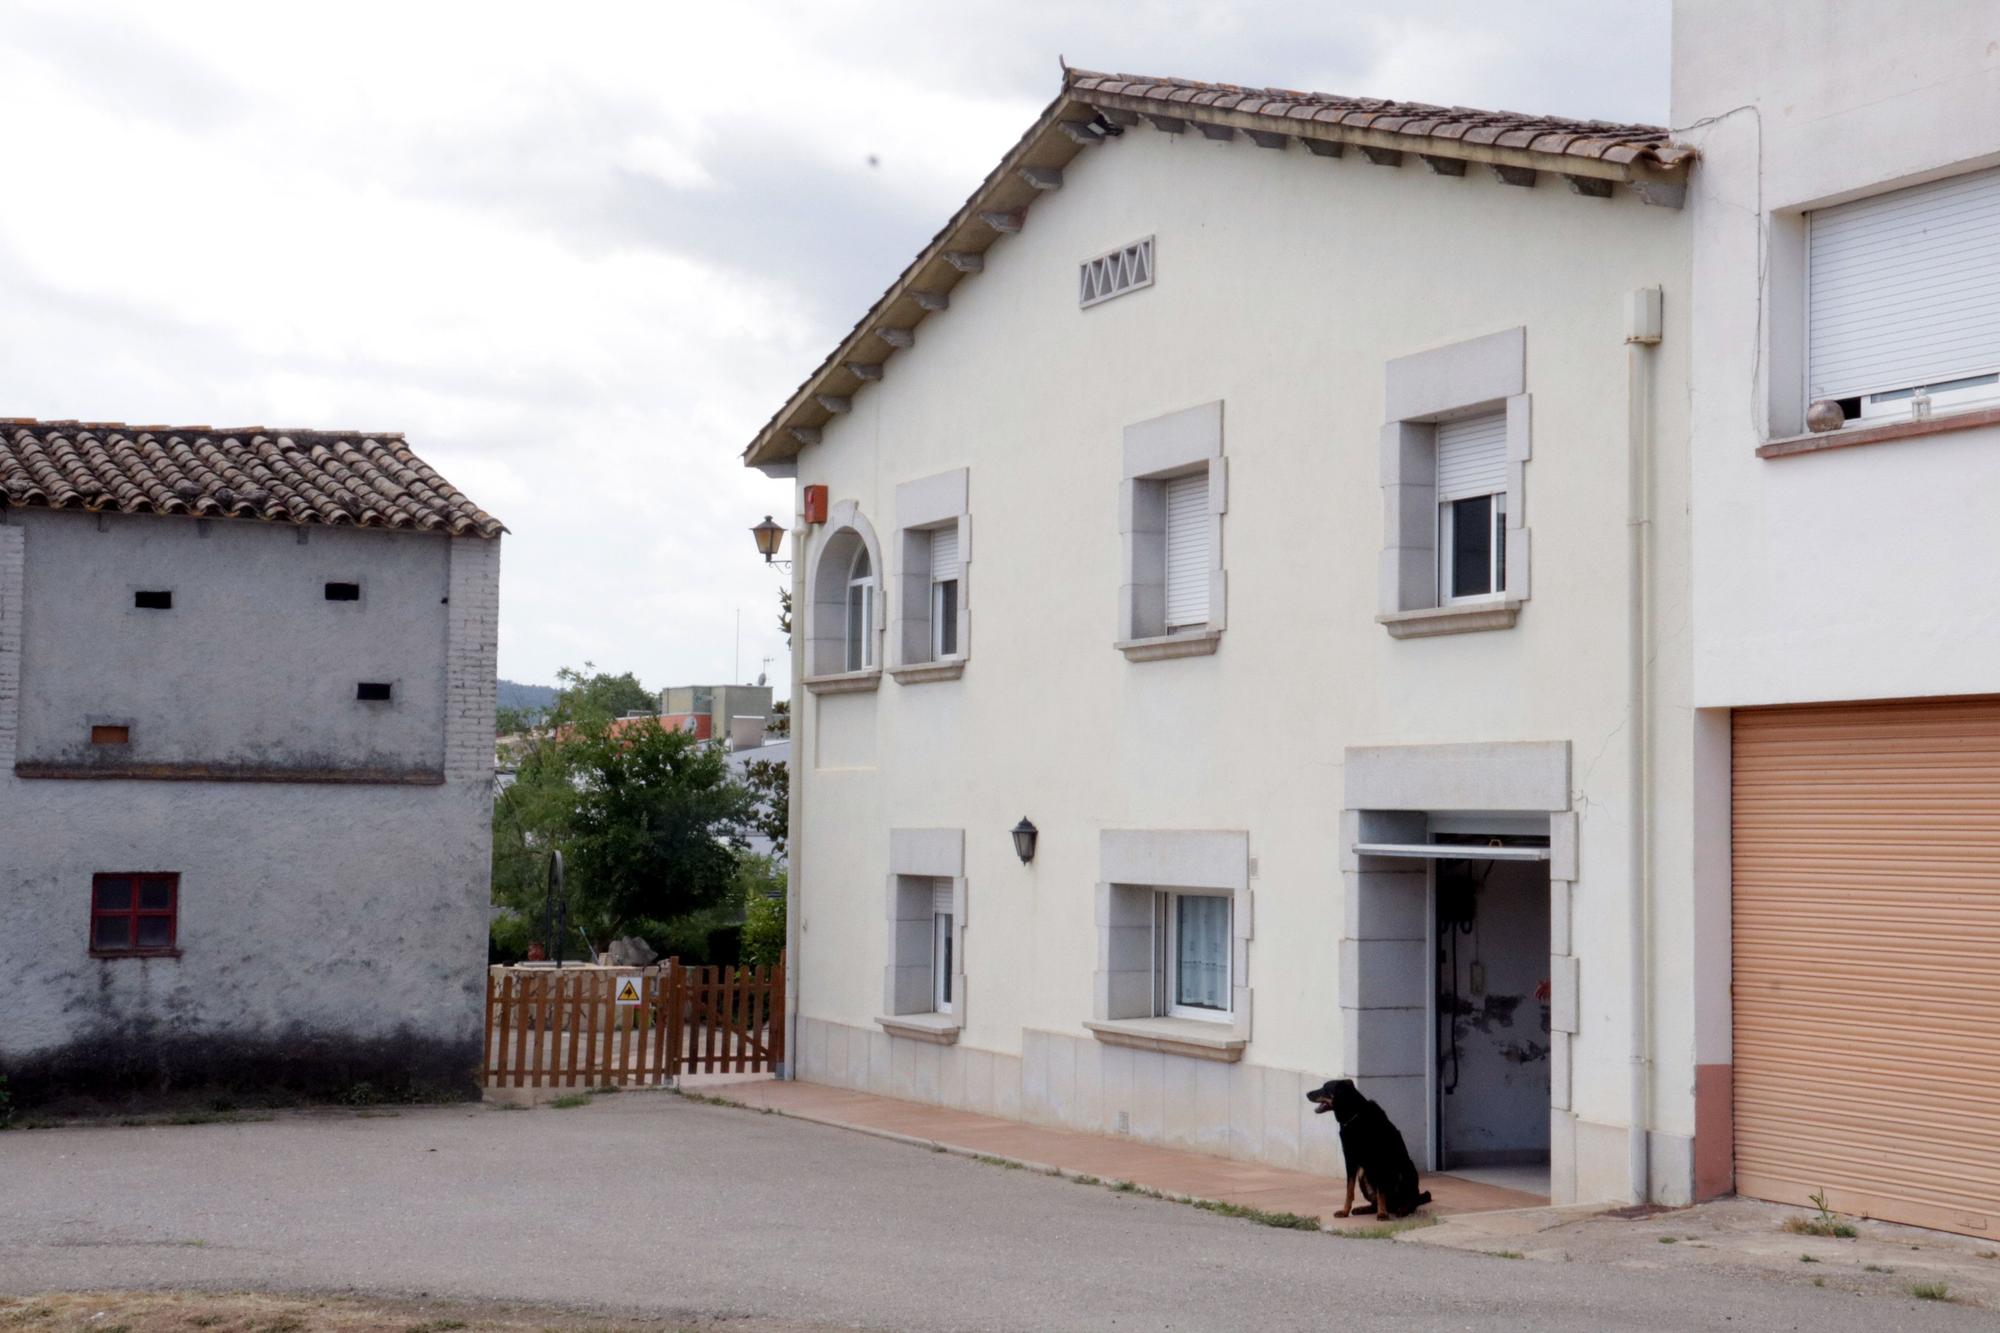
1025, 834
769, 534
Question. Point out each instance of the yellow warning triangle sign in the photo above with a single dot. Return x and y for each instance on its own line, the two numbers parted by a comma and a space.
628, 990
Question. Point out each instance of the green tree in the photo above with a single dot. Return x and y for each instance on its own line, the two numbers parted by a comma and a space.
649, 821
593, 695
761, 882
771, 783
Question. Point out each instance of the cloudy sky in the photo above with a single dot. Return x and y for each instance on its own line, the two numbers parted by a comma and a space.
580, 252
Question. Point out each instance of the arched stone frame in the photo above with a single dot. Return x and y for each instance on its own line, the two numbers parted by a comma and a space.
826, 602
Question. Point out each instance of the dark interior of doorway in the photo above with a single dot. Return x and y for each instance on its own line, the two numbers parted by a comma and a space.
1493, 1042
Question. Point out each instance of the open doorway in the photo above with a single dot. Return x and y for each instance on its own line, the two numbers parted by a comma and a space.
1492, 1038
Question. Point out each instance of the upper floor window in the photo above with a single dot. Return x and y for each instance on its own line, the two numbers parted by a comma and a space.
1188, 524
944, 591
933, 619
860, 620
1903, 300
1472, 507
1170, 508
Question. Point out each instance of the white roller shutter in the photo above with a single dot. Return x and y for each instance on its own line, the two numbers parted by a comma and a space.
944, 553
1188, 561
1904, 288
1472, 456
941, 897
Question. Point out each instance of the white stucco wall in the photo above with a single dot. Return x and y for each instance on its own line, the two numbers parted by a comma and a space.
1285, 283
330, 931
1857, 573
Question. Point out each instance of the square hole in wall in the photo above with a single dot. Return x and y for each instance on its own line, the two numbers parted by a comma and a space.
157, 600
343, 592
110, 734
374, 691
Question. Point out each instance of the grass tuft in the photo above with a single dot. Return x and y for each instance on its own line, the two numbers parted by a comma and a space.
1670, 1240
1817, 1226
1807, 1259
1262, 1217
997, 1161
1507, 1254
436, 1326
1875, 1268
1930, 1291
570, 1101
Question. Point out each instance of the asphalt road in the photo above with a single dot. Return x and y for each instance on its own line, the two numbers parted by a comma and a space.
649, 1203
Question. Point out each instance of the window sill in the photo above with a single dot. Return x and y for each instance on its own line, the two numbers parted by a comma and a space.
1187, 643
937, 1029
108, 954
917, 673
1173, 1036
1459, 618
845, 682
1849, 436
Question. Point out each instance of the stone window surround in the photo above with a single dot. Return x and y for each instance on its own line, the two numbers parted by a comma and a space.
1457, 380
1134, 865
922, 506
826, 616
916, 857
1157, 451
1385, 964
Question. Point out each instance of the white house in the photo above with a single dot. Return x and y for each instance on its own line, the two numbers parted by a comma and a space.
246, 753
1280, 501
1846, 650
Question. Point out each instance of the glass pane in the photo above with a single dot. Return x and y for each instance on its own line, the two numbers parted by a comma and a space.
155, 932
854, 620
156, 894
114, 895
1201, 953
944, 617
943, 923
111, 932
1471, 546
1500, 543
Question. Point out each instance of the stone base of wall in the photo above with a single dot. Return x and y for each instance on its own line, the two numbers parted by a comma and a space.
109, 1069
1243, 1110
1239, 1110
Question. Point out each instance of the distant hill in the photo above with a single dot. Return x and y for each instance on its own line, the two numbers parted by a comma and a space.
532, 698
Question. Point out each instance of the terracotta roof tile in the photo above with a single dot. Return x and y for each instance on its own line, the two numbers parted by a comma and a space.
336, 478
1594, 139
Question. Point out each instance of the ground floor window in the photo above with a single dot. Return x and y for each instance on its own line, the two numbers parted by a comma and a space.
1194, 934
941, 959
134, 914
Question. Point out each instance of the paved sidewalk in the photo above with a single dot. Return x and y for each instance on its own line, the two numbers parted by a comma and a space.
1172, 1171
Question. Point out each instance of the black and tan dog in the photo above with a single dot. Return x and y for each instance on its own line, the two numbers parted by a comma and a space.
1376, 1157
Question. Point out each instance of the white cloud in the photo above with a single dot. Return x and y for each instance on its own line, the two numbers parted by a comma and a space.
580, 254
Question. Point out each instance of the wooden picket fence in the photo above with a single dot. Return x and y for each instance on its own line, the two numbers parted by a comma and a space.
564, 1027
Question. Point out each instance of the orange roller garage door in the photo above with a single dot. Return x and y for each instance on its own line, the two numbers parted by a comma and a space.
1866, 908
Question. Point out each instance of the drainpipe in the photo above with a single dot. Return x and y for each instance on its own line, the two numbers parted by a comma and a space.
1642, 333
794, 822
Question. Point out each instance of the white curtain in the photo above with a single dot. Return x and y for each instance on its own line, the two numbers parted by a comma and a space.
1201, 964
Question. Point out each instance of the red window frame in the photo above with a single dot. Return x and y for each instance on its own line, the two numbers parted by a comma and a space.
133, 911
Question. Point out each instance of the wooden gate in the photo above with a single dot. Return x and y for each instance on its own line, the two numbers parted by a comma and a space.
549, 1027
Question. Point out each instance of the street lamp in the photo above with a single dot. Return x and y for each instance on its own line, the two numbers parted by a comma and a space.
769, 535
1025, 834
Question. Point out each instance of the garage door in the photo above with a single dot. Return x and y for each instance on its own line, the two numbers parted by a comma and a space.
1866, 905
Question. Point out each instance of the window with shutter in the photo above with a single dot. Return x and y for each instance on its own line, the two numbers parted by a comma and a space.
944, 592
941, 944
1188, 527
1903, 298
1472, 506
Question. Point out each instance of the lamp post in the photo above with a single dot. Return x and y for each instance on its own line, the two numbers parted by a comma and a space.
1024, 834
770, 534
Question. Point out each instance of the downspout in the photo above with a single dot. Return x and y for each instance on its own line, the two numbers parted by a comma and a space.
794, 822
1642, 333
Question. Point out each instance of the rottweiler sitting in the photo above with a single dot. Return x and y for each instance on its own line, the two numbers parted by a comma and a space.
1376, 1157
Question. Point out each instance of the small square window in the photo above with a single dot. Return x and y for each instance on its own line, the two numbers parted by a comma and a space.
343, 592
157, 600
374, 691
110, 734
134, 914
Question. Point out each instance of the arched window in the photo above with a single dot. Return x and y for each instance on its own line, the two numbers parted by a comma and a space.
858, 636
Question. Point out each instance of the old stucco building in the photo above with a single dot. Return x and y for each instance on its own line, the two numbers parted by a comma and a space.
246, 749
1280, 500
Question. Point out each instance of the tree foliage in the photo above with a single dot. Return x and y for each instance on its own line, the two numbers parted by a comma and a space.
770, 780
649, 820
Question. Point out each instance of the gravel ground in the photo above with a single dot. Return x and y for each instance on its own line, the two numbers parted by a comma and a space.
651, 1205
